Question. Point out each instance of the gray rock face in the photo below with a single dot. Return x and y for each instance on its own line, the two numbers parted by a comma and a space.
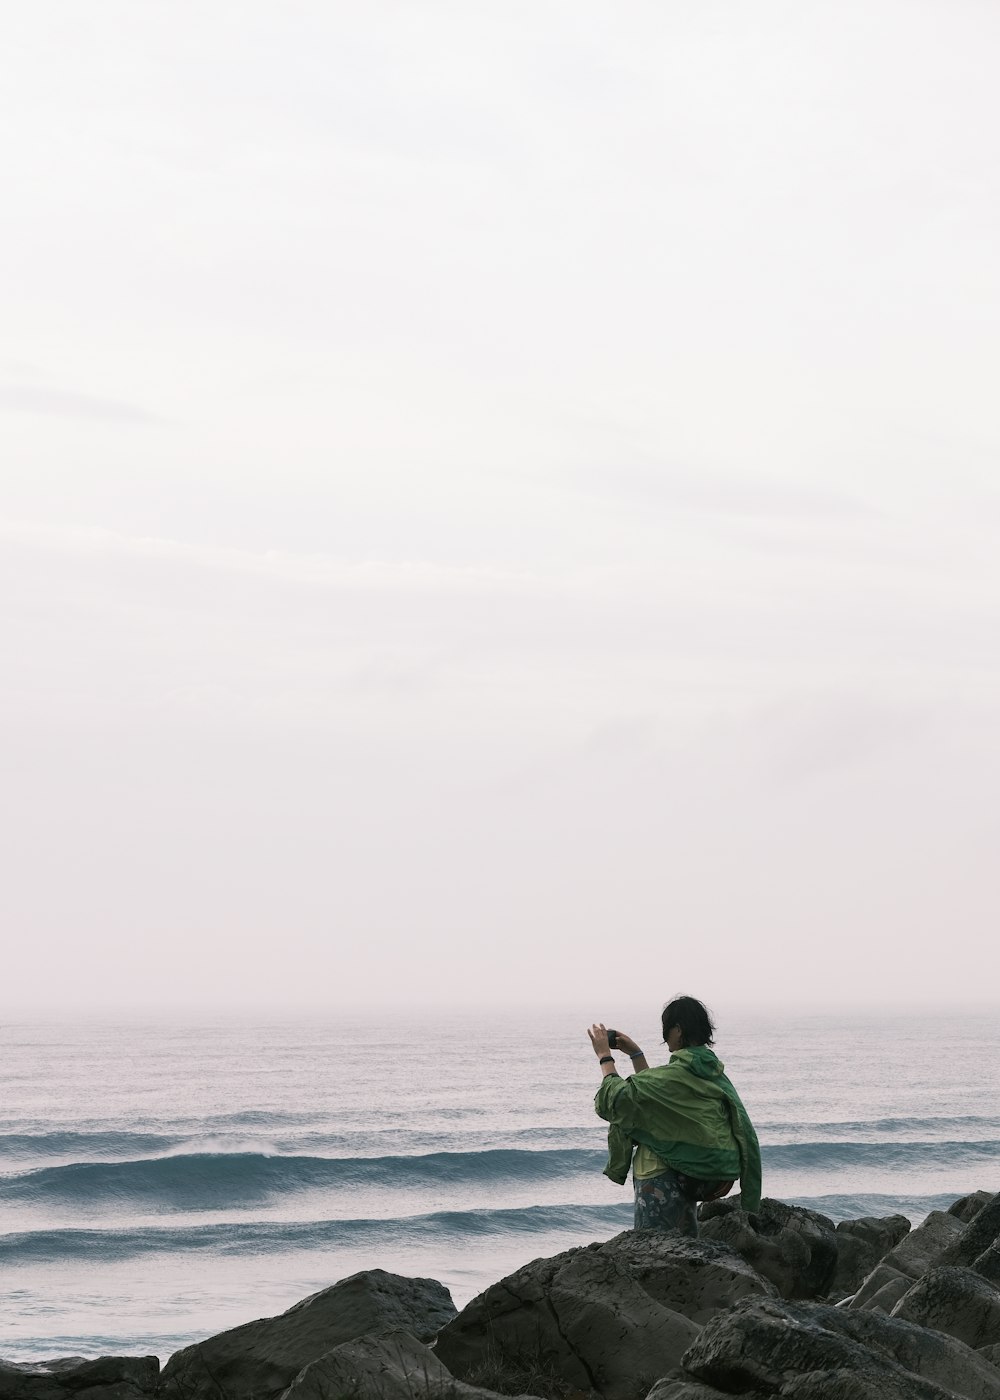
888, 1288
860, 1385
579, 1318
768, 1343
687, 1276
684, 1390
763, 1344
263, 1358
389, 1365
861, 1245
969, 1206
922, 1247
981, 1232
796, 1249
988, 1263
913, 1256
882, 1279
956, 1301
107, 1378
944, 1360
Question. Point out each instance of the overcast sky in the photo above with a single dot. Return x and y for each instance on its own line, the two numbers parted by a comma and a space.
500, 501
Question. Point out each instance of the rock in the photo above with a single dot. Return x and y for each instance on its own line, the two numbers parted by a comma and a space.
691, 1277
795, 1248
991, 1353
886, 1297
988, 1263
982, 1230
945, 1361
956, 1301
684, 1390
388, 1365
262, 1358
968, 1206
881, 1277
106, 1378
922, 1247
913, 1256
861, 1245
579, 1318
766, 1342
860, 1385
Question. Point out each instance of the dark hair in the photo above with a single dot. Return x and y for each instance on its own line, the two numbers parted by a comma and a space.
691, 1015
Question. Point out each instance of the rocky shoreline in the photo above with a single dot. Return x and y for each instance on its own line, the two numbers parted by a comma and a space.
781, 1302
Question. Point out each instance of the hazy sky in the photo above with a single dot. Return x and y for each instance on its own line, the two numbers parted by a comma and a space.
500, 501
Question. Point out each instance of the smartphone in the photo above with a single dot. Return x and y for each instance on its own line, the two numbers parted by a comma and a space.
613, 1040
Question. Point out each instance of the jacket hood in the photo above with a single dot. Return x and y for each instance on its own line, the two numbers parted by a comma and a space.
700, 1060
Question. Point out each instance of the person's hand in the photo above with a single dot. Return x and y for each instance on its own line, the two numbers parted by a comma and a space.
626, 1043
599, 1039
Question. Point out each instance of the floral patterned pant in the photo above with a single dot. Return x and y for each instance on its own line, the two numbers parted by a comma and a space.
661, 1203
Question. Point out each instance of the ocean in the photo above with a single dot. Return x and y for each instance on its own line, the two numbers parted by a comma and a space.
163, 1179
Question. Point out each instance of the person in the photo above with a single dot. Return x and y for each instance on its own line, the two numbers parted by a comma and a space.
681, 1127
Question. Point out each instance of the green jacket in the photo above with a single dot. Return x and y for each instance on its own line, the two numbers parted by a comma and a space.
689, 1114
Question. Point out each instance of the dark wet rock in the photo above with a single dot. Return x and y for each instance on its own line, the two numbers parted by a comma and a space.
691, 1277
579, 1318
106, 1378
762, 1344
947, 1361
916, 1252
956, 1301
390, 1365
795, 1248
684, 1390
977, 1237
967, 1207
766, 1343
988, 1264
262, 1358
883, 1280
861, 1245
923, 1246
861, 1385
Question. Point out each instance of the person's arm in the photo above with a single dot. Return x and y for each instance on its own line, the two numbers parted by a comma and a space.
599, 1040
615, 1097
626, 1043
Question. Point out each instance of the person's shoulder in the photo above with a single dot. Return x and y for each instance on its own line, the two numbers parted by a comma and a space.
651, 1073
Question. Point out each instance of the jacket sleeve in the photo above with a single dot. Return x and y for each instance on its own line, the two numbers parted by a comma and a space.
750, 1168
615, 1101
615, 1104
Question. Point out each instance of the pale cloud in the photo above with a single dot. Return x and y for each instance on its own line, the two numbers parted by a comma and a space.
275, 565
507, 477
62, 403
829, 734
661, 485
